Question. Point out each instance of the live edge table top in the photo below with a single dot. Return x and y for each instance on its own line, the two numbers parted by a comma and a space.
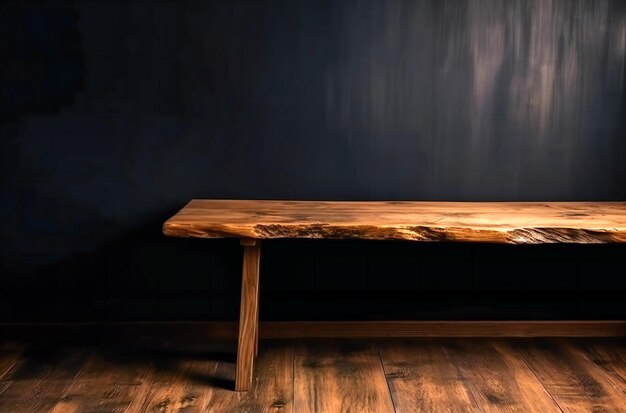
496, 222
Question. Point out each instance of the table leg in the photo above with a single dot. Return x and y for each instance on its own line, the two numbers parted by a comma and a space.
257, 325
248, 317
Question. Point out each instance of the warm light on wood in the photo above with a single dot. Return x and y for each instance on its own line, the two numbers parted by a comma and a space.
498, 222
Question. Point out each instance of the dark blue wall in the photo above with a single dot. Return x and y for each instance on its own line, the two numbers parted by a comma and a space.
115, 113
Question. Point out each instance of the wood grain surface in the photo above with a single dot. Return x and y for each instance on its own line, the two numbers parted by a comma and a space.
575, 382
271, 390
497, 222
37, 382
341, 377
416, 373
98, 387
248, 316
138, 373
499, 379
609, 358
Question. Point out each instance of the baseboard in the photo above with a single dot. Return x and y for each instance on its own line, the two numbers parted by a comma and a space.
328, 329
445, 329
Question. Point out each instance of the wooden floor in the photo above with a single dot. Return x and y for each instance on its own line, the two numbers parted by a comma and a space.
427, 375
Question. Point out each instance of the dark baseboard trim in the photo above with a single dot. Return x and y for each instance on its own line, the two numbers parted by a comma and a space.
445, 329
327, 329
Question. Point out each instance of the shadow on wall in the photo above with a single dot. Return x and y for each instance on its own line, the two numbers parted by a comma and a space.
145, 276
141, 275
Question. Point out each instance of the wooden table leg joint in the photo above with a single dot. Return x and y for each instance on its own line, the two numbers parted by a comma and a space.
249, 314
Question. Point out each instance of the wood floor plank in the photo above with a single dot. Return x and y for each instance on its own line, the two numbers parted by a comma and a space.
174, 386
272, 386
410, 375
3, 386
576, 383
609, 356
8, 359
499, 379
344, 376
103, 385
39, 379
423, 377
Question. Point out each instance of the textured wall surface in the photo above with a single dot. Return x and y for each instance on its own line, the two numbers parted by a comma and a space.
114, 113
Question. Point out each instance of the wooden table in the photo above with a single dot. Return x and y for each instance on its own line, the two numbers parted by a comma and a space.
495, 222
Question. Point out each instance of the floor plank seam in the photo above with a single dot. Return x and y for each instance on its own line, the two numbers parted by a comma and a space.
293, 380
4, 385
466, 382
382, 368
521, 355
8, 370
601, 370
